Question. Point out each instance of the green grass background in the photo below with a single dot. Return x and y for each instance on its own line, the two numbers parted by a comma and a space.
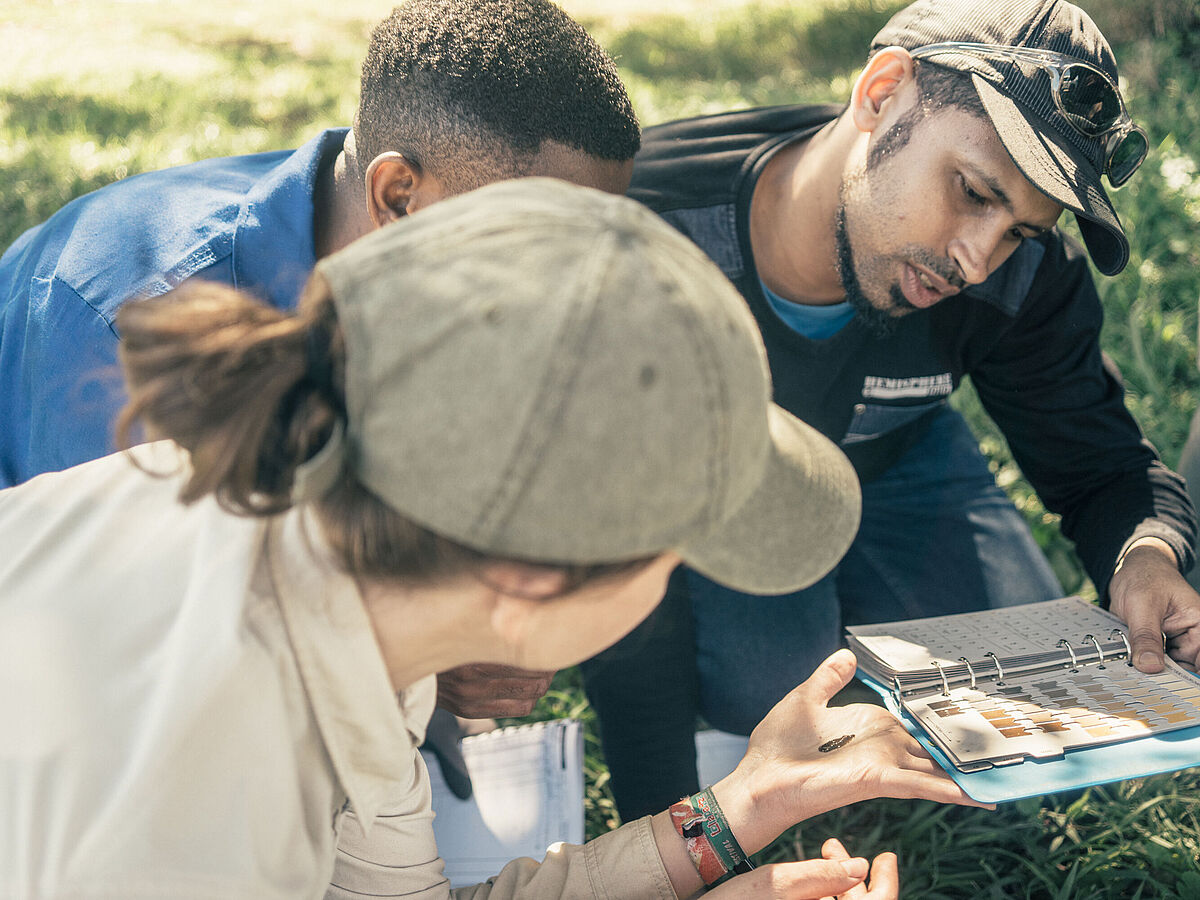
95, 90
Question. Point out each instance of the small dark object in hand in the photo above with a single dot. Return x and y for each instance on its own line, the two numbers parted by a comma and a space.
835, 744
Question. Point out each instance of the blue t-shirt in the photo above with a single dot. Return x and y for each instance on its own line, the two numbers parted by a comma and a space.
813, 322
244, 221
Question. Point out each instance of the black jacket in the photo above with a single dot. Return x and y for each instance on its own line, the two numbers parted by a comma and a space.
1028, 337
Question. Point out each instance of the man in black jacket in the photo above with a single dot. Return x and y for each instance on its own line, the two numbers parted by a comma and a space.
888, 249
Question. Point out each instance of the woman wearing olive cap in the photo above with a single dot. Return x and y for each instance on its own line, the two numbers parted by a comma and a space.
488, 435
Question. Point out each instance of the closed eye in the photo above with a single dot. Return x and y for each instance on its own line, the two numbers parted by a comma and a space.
972, 195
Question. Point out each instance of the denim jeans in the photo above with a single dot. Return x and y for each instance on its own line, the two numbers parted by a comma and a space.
938, 536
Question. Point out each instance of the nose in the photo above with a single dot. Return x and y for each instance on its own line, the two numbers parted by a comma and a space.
974, 251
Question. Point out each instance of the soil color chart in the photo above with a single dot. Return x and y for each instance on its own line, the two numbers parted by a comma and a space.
1042, 716
998, 686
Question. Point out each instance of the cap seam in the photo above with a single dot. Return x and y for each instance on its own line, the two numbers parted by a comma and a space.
553, 390
716, 399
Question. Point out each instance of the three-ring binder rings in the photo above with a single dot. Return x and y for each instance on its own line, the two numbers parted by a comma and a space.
1045, 685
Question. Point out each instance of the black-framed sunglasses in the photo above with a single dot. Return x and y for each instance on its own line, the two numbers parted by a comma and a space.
1084, 95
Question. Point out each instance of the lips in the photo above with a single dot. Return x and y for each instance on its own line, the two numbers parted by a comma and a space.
923, 288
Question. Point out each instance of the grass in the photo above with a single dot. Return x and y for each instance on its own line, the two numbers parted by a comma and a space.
93, 91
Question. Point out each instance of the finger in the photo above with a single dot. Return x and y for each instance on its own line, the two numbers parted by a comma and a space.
1185, 648
514, 689
493, 670
1146, 639
830, 677
834, 849
487, 707
1186, 658
905, 784
496, 686
924, 765
806, 880
885, 878
488, 691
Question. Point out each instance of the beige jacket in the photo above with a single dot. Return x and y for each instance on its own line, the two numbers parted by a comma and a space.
194, 705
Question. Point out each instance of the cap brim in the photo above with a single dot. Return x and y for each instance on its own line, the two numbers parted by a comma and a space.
795, 526
1061, 173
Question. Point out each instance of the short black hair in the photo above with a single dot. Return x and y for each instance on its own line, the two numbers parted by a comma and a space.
938, 88
473, 88
942, 87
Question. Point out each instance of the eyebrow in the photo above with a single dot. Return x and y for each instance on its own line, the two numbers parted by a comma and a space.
994, 186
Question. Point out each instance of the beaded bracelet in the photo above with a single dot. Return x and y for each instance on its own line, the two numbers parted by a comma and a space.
710, 842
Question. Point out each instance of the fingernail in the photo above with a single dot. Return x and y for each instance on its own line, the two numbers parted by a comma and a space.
1146, 658
855, 868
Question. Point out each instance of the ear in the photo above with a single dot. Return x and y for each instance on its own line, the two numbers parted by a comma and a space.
886, 82
396, 187
519, 593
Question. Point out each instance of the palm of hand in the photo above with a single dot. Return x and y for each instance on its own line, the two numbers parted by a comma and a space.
881, 759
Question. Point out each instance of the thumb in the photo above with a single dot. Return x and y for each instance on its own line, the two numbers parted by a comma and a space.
1145, 638
830, 677
807, 880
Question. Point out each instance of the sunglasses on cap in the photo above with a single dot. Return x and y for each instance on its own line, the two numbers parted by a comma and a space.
1084, 95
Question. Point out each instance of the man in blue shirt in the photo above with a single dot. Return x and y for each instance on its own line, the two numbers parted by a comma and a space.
440, 112
541, 98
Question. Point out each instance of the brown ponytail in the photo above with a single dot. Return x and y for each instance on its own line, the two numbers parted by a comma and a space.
248, 390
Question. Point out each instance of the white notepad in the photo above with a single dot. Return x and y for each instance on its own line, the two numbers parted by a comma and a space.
527, 794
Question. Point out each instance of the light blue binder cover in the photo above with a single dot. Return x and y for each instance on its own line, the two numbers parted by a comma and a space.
1075, 769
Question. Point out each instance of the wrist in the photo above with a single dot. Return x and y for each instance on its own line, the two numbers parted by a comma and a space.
1149, 547
748, 803
714, 849
1138, 564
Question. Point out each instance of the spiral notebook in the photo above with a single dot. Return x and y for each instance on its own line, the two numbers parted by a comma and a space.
1044, 688
527, 794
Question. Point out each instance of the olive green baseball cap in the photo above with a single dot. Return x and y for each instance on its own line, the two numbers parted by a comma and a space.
547, 372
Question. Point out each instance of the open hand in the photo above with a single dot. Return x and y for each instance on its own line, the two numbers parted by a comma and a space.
806, 758
485, 691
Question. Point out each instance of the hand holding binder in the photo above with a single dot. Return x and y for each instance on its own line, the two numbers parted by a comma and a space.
1040, 682
1150, 595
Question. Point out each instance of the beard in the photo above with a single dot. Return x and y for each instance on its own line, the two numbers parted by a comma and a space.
879, 316
880, 321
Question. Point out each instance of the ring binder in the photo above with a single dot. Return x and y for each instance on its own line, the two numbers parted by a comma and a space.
946, 675
1125, 641
999, 668
970, 670
1055, 689
942, 672
1096, 644
1063, 642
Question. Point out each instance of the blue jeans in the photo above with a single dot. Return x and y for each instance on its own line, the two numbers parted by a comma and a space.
938, 536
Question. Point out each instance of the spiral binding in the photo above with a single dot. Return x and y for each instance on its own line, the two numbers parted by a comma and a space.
967, 671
